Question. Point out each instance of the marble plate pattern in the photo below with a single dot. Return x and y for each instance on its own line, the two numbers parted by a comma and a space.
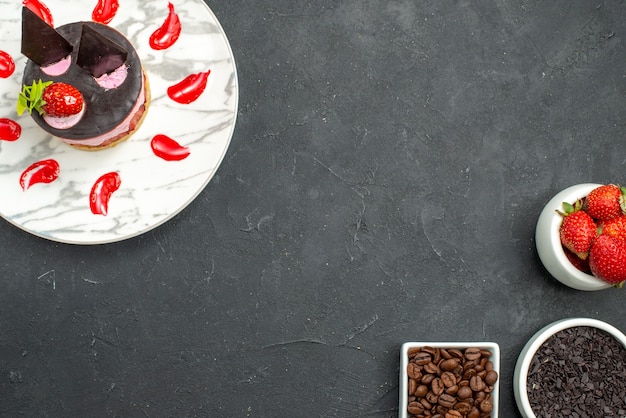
153, 190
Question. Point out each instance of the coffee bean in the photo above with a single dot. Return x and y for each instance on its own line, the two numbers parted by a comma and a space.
491, 377
474, 413
479, 397
437, 356
413, 371
469, 373
431, 398
437, 386
427, 379
456, 353
485, 353
412, 386
445, 354
463, 407
448, 379
429, 350
464, 392
447, 401
422, 358
432, 368
449, 365
486, 405
453, 414
472, 353
470, 364
411, 352
452, 390
415, 408
477, 384
421, 391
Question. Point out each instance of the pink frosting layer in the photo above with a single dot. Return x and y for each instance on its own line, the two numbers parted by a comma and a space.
123, 127
113, 80
58, 68
64, 123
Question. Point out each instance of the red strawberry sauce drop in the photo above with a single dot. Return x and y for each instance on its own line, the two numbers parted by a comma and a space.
40, 10
101, 192
168, 149
45, 171
7, 65
189, 89
105, 11
9, 130
168, 33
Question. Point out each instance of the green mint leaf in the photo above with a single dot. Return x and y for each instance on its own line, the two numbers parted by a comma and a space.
21, 105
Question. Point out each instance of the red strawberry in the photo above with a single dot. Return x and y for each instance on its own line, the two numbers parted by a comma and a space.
615, 227
605, 202
577, 233
607, 259
582, 265
52, 99
62, 100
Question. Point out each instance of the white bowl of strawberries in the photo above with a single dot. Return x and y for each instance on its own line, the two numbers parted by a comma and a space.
581, 236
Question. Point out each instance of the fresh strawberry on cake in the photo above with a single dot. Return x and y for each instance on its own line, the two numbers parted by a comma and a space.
60, 105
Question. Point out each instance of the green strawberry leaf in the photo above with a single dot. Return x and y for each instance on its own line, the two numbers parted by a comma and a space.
568, 207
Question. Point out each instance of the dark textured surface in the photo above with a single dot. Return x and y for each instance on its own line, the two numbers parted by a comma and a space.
386, 173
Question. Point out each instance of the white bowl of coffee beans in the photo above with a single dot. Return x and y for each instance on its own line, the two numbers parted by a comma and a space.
573, 367
453, 380
548, 242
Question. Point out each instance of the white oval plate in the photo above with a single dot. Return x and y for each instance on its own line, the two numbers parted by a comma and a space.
152, 190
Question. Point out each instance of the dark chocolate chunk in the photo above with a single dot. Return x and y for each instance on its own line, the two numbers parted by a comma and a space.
41, 42
578, 372
98, 54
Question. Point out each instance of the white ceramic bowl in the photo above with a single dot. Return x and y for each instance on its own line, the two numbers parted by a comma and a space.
404, 361
549, 245
528, 352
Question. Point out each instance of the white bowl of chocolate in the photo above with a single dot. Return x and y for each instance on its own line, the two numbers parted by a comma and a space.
100, 64
572, 367
449, 379
578, 261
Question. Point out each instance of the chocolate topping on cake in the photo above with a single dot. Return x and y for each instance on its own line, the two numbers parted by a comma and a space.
40, 42
105, 108
98, 54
